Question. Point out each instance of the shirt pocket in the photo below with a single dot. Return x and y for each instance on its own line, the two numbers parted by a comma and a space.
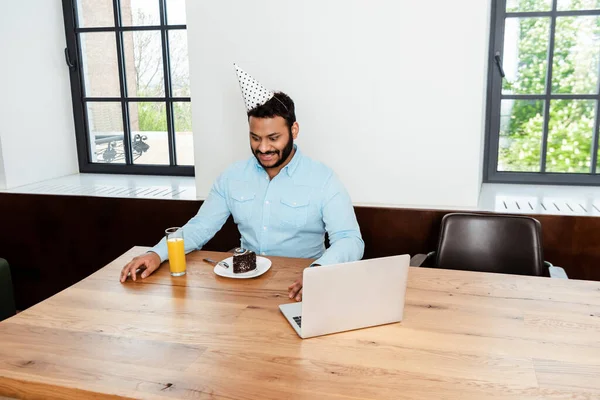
242, 202
294, 210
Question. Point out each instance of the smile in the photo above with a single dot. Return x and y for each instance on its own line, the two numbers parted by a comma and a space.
267, 157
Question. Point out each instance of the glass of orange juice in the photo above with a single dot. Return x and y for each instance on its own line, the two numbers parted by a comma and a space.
176, 248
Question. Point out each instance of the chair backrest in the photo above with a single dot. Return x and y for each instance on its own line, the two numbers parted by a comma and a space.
7, 301
490, 243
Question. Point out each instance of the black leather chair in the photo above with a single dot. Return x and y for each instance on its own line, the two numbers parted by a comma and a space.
490, 243
7, 300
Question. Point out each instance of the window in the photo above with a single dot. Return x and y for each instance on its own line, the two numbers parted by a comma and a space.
543, 115
129, 72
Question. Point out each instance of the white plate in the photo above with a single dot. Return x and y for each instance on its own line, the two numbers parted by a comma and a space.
262, 266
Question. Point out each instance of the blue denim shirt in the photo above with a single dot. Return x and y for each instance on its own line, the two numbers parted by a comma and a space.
284, 216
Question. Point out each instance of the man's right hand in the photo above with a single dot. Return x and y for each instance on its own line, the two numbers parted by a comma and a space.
148, 262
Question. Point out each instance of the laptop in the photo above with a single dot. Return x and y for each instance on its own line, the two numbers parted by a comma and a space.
343, 297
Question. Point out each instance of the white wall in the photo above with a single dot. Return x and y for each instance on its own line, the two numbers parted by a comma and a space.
36, 117
2, 174
389, 93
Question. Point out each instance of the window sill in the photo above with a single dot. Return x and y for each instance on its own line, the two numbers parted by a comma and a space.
540, 199
494, 197
119, 186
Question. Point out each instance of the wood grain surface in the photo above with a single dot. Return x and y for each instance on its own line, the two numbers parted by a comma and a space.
465, 335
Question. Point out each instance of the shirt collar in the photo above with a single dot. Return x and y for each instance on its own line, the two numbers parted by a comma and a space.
291, 167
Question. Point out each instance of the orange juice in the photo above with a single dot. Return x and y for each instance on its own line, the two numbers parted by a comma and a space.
176, 256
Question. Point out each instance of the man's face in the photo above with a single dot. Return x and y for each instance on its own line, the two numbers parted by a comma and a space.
271, 141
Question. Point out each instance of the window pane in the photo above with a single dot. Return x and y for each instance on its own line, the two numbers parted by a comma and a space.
598, 158
144, 64
521, 127
105, 123
184, 140
176, 12
99, 61
570, 135
180, 67
149, 138
576, 55
564, 5
528, 5
140, 12
95, 13
525, 55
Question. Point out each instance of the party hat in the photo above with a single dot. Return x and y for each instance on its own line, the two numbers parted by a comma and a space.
253, 92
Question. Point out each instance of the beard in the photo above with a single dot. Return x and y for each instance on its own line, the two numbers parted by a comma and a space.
283, 155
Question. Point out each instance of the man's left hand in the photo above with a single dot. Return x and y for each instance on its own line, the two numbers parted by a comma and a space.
295, 290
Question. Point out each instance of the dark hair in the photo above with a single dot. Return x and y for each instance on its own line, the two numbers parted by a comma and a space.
280, 105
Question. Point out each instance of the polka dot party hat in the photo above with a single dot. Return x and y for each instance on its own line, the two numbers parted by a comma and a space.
253, 92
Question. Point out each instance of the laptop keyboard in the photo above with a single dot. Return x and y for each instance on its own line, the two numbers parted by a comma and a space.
298, 320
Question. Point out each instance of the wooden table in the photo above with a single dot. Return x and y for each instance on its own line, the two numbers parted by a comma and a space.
465, 336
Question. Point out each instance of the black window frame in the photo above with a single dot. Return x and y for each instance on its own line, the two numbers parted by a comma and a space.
494, 97
79, 100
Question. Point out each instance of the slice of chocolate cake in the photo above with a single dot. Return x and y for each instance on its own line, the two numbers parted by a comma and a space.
243, 261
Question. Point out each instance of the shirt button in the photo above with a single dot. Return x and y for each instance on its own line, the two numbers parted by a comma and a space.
267, 202
264, 228
263, 253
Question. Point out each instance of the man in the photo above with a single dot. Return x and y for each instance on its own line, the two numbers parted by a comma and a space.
282, 201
